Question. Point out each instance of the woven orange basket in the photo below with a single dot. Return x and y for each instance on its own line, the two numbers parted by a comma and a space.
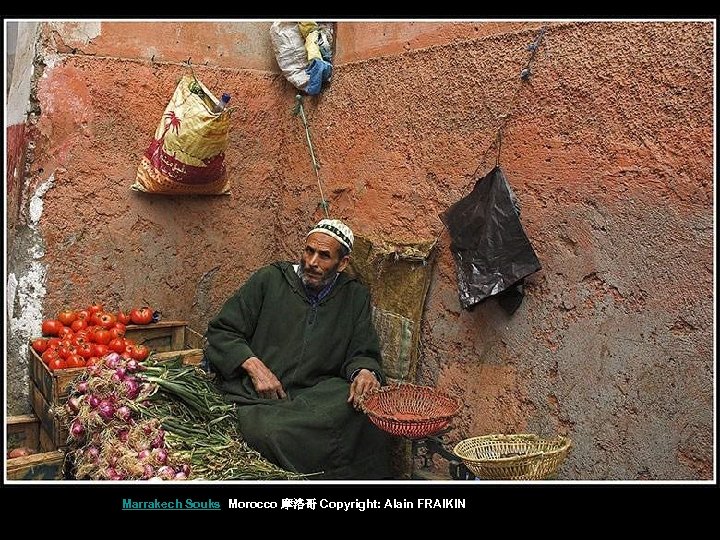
409, 410
513, 457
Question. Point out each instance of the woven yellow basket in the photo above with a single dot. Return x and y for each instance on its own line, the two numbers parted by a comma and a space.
513, 457
409, 410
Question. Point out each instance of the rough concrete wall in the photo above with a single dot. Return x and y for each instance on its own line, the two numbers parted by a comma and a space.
231, 45
84, 236
357, 41
609, 150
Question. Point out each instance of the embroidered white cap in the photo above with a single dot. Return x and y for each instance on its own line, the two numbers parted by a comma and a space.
337, 229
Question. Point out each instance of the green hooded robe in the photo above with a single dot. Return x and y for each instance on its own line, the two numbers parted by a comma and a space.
312, 350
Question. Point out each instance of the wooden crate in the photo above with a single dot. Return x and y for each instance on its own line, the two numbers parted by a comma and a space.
165, 336
48, 389
26, 431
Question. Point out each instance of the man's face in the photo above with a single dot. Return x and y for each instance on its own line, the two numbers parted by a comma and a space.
321, 260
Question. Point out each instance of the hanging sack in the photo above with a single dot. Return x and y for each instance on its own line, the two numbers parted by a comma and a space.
187, 154
491, 250
304, 53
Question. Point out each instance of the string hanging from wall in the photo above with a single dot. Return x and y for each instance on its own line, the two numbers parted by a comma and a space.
299, 110
525, 75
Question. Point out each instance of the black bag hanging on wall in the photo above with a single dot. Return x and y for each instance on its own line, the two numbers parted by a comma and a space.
491, 250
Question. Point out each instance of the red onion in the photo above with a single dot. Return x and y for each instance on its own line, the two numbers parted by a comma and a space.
77, 430
112, 360
180, 476
148, 471
158, 441
93, 401
132, 388
166, 472
160, 455
82, 387
185, 468
106, 409
93, 452
143, 454
133, 365
73, 404
123, 413
123, 435
113, 474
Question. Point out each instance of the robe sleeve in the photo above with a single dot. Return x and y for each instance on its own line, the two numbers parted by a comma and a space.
229, 333
364, 349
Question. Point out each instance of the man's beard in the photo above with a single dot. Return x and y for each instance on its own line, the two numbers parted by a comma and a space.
327, 278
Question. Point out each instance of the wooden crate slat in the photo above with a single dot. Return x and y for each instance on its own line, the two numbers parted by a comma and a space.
193, 339
189, 356
43, 466
58, 433
47, 443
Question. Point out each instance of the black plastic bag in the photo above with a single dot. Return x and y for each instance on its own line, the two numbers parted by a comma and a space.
491, 250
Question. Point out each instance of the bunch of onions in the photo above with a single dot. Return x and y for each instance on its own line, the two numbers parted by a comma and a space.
158, 421
108, 440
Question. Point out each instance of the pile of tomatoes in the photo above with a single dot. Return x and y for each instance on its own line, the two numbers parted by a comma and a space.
81, 337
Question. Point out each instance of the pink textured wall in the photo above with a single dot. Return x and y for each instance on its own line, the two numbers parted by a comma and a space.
608, 148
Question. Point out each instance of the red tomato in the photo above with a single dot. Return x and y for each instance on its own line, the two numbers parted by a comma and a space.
143, 315
101, 335
83, 314
51, 327
100, 350
65, 332
84, 333
95, 308
53, 342
73, 361
139, 352
67, 316
57, 363
107, 320
118, 330
49, 356
78, 340
117, 345
78, 325
92, 361
40, 345
66, 350
123, 317
85, 350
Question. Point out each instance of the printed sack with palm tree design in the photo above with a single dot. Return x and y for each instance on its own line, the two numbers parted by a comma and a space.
187, 154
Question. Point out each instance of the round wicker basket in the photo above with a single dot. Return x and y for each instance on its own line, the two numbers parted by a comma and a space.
513, 457
409, 410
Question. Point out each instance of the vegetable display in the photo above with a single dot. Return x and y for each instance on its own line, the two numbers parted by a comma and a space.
156, 420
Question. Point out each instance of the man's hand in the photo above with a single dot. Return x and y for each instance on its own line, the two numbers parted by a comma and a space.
363, 383
265, 382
